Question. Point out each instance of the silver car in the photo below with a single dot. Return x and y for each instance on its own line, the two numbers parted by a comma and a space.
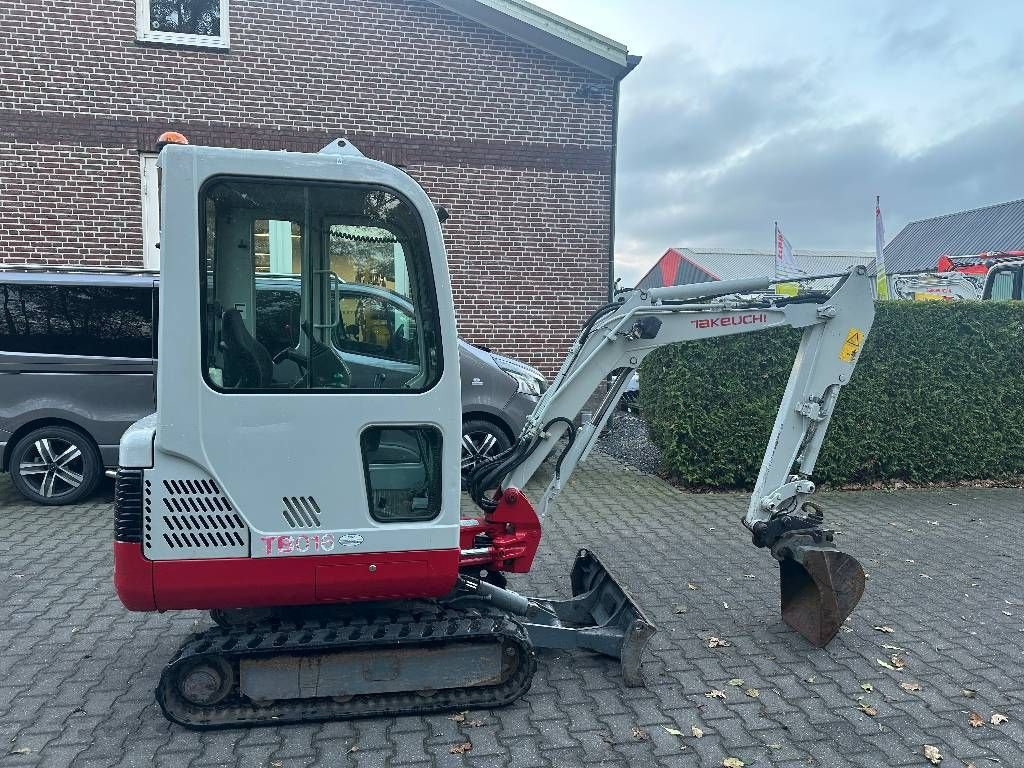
78, 353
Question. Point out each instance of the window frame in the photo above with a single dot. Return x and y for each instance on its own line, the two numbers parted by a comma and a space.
145, 33
150, 187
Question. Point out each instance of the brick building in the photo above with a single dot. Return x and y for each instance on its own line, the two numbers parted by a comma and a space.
505, 113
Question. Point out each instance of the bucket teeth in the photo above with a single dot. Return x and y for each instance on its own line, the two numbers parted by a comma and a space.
820, 585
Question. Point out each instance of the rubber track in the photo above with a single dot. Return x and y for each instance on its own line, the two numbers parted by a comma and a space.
428, 624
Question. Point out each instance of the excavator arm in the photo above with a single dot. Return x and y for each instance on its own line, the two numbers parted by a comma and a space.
820, 585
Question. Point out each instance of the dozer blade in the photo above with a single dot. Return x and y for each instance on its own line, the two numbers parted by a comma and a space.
820, 586
601, 616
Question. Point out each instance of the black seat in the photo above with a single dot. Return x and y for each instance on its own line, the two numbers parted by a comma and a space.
247, 364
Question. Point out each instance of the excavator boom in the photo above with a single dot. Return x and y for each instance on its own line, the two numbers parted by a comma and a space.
820, 586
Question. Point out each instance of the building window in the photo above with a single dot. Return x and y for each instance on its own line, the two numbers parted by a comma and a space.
183, 22
150, 211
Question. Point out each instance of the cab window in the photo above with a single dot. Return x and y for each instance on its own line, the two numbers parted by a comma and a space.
276, 258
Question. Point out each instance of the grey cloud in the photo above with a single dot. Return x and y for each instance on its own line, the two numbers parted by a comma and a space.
818, 180
917, 39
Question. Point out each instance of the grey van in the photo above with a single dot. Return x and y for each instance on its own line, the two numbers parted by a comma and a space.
78, 353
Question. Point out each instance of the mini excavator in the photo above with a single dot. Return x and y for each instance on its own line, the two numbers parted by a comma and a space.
320, 522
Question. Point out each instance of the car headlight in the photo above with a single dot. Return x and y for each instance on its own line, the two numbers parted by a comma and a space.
528, 385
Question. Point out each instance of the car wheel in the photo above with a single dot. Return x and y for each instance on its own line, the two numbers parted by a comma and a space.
55, 465
481, 440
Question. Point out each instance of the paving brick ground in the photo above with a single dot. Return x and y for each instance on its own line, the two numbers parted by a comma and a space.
77, 672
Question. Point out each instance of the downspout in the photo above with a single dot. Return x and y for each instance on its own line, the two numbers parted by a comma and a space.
631, 63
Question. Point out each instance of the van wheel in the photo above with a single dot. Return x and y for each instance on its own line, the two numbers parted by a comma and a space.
480, 441
55, 465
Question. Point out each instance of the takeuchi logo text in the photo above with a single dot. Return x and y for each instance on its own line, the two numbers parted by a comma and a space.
752, 318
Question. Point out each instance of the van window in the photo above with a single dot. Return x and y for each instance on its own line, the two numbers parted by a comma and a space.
86, 320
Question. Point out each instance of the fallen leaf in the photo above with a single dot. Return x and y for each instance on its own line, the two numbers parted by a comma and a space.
717, 642
733, 762
932, 754
867, 687
975, 720
885, 664
752, 692
691, 586
998, 719
910, 687
459, 717
884, 629
460, 749
897, 661
715, 694
697, 732
640, 734
968, 692
736, 682
867, 709
673, 731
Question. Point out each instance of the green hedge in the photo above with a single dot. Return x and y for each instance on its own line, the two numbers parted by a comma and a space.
938, 395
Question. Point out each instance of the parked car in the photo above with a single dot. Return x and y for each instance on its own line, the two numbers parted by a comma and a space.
78, 354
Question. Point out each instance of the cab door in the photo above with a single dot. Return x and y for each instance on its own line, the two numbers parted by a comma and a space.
270, 422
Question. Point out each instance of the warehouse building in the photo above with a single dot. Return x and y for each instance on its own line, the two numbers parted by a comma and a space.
505, 113
919, 245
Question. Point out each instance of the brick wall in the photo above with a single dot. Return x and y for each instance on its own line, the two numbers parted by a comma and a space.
491, 127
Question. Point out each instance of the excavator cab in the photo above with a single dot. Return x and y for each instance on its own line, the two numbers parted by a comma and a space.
285, 455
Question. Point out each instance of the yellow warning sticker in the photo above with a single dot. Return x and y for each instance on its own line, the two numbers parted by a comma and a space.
852, 345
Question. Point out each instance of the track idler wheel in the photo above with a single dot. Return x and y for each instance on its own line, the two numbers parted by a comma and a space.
820, 585
205, 681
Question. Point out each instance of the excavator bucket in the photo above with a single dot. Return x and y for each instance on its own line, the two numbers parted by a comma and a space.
601, 616
820, 586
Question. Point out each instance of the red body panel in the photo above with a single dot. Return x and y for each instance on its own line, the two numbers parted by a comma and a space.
243, 582
512, 534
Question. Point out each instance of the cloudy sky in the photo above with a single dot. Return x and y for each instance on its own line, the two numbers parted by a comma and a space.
743, 112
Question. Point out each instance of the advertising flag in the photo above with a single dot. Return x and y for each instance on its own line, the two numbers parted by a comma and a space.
882, 288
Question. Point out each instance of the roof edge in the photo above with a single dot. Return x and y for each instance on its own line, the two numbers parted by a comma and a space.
960, 213
549, 32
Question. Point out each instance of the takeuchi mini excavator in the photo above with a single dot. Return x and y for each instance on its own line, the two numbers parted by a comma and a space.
319, 522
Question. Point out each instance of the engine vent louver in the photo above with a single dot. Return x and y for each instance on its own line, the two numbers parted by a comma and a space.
191, 518
128, 506
301, 512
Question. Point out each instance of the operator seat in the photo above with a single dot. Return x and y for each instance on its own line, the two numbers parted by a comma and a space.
247, 364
